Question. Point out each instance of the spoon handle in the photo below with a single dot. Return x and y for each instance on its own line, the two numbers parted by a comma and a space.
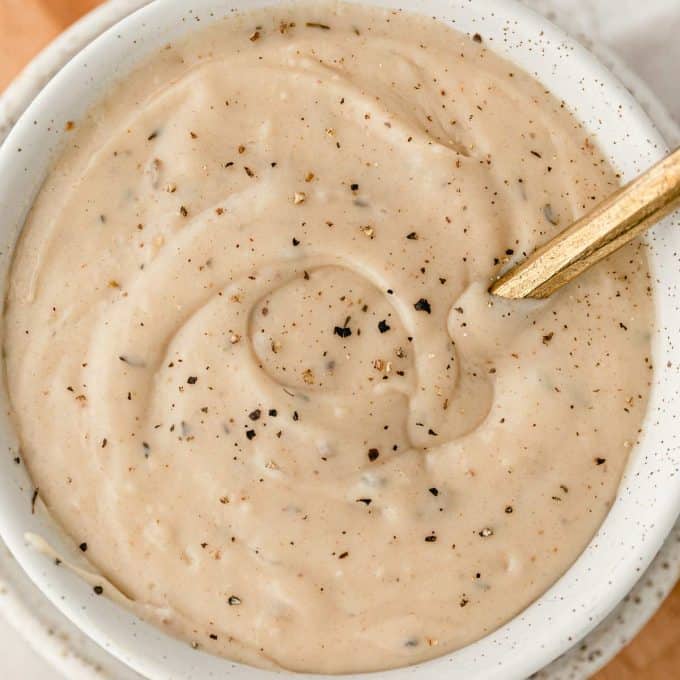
610, 225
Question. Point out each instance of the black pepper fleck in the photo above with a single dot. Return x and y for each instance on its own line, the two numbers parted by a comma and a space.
423, 306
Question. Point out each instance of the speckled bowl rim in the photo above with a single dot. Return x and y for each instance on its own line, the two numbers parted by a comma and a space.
514, 660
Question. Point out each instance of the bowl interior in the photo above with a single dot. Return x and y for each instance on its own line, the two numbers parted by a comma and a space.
649, 496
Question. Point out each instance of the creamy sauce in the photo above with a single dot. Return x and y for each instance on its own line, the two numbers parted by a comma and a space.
253, 363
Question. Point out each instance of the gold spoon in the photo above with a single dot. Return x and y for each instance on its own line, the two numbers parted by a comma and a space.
610, 225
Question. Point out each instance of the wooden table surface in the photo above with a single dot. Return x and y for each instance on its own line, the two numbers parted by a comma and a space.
28, 25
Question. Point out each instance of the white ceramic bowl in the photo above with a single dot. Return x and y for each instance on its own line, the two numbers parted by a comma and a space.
649, 498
